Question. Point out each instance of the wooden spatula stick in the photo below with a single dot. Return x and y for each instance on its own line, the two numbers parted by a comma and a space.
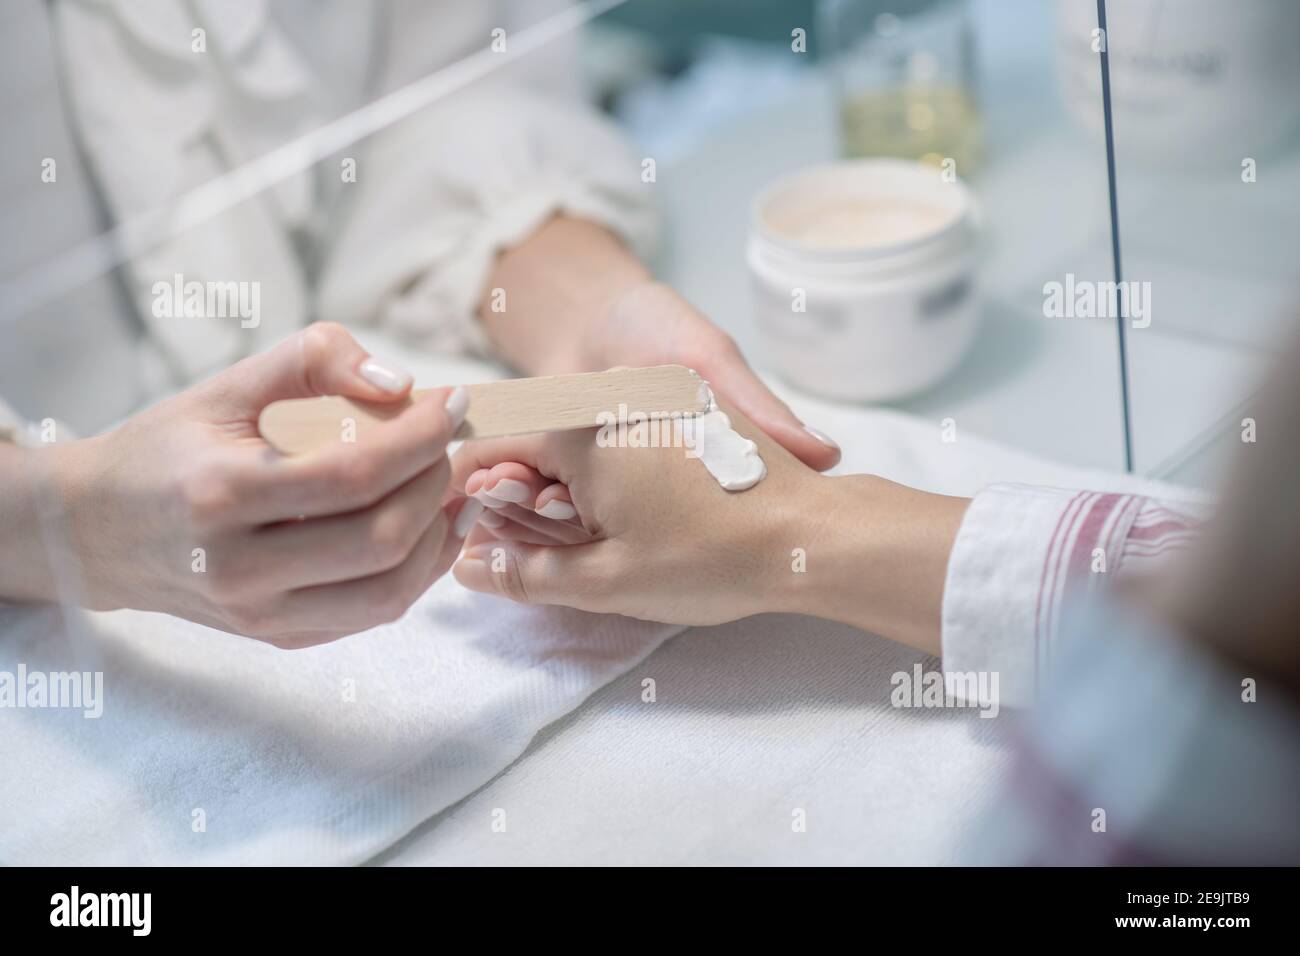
496, 409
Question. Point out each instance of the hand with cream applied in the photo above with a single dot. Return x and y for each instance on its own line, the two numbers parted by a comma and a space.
184, 509
649, 532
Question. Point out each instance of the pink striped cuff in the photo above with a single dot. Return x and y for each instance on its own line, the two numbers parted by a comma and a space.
1023, 552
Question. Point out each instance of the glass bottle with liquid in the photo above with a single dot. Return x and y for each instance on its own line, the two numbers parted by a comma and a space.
905, 77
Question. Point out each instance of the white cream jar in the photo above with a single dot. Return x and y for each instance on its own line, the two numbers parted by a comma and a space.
864, 277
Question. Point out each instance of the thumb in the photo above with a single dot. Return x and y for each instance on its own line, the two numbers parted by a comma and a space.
574, 575
734, 381
322, 359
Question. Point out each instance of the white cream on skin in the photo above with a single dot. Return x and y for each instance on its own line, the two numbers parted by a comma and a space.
730, 457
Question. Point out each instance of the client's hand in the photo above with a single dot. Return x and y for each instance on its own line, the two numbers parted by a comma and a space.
669, 543
185, 509
654, 536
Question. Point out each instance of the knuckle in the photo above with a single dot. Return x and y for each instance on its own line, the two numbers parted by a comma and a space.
207, 496
251, 620
294, 641
430, 427
226, 584
721, 343
421, 571
321, 338
391, 607
388, 541
357, 476
382, 602
510, 579
322, 346
709, 345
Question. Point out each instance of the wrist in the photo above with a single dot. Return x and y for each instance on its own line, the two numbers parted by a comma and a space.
77, 512
607, 333
642, 322
799, 531
34, 520
561, 286
876, 557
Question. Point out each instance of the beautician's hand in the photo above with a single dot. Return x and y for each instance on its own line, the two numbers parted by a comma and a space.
654, 536
294, 551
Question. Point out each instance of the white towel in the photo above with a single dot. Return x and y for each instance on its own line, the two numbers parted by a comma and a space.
319, 756
215, 749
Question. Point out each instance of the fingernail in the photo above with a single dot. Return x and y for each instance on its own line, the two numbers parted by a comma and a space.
490, 519
457, 405
508, 489
558, 509
488, 500
385, 375
824, 439
468, 515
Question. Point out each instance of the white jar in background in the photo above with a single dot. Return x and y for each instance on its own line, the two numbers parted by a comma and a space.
864, 277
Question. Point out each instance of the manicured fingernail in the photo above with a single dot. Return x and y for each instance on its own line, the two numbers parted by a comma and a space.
468, 515
825, 440
457, 405
508, 489
385, 375
490, 519
488, 500
558, 509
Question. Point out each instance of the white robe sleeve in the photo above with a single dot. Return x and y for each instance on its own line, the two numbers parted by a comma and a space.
440, 195
1024, 552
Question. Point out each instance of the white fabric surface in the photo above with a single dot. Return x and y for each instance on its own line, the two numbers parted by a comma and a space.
286, 771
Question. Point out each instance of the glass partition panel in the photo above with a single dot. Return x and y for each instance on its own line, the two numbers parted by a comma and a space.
1207, 152
972, 88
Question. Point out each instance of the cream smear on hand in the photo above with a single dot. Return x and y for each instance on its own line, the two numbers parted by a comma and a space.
730, 457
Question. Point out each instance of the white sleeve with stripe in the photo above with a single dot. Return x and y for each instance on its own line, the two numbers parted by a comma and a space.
1022, 551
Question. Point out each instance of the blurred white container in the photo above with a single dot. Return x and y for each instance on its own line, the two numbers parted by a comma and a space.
1194, 83
864, 277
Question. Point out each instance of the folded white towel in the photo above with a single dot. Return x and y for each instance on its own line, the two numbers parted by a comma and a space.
216, 749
